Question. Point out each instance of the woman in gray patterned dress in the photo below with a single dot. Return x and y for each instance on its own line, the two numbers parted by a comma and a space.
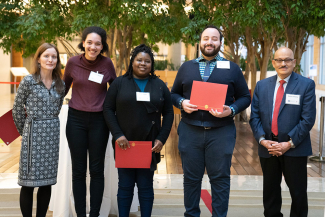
41, 95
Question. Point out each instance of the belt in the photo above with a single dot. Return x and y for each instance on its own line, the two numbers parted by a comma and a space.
207, 128
274, 137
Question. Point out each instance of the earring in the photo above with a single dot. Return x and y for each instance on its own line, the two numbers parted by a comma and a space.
39, 65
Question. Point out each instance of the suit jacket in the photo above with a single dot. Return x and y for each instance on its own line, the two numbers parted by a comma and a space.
136, 120
294, 121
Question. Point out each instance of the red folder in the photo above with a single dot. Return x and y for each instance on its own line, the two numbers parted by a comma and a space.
208, 95
137, 156
8, 130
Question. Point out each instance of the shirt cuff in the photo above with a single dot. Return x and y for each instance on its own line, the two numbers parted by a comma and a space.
291, 143
260, 140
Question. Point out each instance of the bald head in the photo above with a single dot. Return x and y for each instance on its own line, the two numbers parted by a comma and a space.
284, 62
284, 51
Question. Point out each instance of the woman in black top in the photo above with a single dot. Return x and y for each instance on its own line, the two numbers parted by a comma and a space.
132, 120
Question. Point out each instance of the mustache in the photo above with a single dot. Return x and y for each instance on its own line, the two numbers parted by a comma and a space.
209, 45
283, 67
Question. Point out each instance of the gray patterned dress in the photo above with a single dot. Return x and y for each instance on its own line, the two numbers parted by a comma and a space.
40, 131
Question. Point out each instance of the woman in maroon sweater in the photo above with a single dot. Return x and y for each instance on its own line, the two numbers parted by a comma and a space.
86, 128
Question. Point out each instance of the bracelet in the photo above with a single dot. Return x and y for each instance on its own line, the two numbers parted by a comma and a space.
233, 112
180, 104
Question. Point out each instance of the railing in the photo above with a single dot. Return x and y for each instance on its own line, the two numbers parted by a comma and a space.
321, 133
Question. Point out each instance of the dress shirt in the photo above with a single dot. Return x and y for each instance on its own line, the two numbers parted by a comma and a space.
202, 63
277, 85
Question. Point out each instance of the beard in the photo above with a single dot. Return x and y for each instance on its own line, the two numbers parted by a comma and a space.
211, 53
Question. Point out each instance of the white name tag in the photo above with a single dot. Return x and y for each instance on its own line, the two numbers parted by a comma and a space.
143, 96
292, 99
96, 77
223, 64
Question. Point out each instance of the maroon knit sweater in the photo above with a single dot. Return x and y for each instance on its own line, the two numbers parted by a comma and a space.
87, 95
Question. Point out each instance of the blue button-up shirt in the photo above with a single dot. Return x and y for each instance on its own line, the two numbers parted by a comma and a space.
202, 63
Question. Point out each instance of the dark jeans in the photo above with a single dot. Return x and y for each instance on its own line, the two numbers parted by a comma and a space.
87, 132
212, 149
294, 170
127, 179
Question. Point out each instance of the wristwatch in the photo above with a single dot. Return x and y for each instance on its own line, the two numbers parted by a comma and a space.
233, 112
180, 104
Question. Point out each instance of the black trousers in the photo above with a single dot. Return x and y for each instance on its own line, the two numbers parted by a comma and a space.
87, 132
294, 170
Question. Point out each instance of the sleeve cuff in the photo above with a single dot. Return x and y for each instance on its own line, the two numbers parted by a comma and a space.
233, 111
291, 143
180, 103
261, 138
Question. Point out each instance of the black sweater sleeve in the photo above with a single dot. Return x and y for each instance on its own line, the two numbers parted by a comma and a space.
168, 117
110, 109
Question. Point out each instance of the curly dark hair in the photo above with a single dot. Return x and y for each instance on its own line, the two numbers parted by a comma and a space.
213, 27
99, 31
141, 48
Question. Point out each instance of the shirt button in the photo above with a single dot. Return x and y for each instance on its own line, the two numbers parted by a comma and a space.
153, 122
157, 111
160, 99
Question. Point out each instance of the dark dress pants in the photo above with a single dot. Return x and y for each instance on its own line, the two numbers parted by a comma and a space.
212, 149
294, 170
87, 132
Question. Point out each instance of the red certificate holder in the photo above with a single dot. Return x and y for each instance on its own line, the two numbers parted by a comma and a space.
137, 156
207, 96
8, 130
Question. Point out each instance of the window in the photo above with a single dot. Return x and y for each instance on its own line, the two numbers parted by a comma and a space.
307, 57
321, 61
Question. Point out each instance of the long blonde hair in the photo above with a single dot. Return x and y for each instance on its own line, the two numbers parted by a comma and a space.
56, 73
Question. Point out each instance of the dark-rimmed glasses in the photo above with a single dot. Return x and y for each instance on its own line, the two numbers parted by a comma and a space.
287, 61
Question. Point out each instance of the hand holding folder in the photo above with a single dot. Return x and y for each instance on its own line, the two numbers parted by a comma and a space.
8, 130
139, 155
207, 96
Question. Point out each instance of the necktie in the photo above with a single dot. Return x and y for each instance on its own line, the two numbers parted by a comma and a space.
206, 74
278, 100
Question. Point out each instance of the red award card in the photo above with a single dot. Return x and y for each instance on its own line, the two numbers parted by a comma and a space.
208, 95
137, 156
8, 130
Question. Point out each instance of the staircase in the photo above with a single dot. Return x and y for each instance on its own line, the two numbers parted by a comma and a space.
169, 202
9, 203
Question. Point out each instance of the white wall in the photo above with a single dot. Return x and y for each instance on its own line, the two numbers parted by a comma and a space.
5, 63
175, 53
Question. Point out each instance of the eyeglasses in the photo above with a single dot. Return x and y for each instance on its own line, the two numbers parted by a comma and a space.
287, 61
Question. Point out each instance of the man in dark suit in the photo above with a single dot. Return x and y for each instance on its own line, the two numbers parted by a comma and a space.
283, 113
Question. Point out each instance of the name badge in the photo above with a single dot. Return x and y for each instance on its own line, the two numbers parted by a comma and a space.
96, 77
143, 96
292, 99
223, 64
